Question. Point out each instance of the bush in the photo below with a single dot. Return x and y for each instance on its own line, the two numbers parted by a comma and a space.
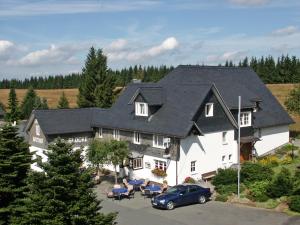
225, 177
287, 159
252, 172
294, 203
189, 180
229, 189
281, 185
271, 160
221, 198
258, 191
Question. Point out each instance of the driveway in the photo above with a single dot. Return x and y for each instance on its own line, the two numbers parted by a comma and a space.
138, 211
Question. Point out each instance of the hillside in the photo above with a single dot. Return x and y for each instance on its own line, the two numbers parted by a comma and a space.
280, 91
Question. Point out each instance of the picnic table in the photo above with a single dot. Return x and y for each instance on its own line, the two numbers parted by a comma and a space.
119, 191
153, 188
136, 184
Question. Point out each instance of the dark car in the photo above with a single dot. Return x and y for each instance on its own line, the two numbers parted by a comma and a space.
181, 195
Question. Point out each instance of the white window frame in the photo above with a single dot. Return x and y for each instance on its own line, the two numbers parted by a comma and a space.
37, 129
209, 109
100, 132
243, 119
156, 142
160, 164
136, 138
138, 109
137, 163
116, 134
193, 166
224, 137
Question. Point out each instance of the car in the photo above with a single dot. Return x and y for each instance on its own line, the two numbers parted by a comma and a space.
179, 195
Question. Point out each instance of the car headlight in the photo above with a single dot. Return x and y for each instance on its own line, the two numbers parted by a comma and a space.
162, 201
152, 199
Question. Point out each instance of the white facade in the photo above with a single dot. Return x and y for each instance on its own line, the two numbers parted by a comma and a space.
209, 153
271, 138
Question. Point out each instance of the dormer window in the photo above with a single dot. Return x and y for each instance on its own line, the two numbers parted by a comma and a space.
141, 109
245, 119
209, 109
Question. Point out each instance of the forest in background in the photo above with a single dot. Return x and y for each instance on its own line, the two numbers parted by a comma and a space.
284, 69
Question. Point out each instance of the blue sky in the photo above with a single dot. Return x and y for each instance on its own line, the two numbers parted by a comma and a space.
53, 36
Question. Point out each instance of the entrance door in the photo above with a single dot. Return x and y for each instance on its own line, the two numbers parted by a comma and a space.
245, 152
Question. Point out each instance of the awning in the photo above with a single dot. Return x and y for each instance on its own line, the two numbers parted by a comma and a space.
249, 139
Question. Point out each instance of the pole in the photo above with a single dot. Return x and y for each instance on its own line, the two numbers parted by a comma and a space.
239, 144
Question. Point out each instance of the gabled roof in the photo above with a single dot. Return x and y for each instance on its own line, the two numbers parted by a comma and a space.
62, 121
232, 82
152, 95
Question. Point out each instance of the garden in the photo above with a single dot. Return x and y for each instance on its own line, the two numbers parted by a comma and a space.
271, 182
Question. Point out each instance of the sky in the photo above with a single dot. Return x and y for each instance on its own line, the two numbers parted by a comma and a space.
54, 36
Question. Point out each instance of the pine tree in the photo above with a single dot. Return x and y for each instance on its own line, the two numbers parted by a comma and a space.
63, 102
29, 102
63, 193
13, 113
15, 160
293, 101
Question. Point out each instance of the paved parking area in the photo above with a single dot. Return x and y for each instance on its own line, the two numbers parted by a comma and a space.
138, 211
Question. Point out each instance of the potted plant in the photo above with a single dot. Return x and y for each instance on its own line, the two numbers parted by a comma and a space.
159, 172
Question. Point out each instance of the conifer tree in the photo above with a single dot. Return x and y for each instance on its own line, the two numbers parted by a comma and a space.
293, 101
13, 113
63, 102
29, 102
63, 193
15, 160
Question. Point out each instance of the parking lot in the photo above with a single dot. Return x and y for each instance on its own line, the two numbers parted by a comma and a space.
139, 211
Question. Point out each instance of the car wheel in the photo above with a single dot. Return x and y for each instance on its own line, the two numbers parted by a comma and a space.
170, 205
202, 199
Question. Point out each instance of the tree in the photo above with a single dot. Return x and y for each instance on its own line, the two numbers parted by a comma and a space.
117, 152
293, 101
13, 113
96, 88
63, 102
63, 193
15, 160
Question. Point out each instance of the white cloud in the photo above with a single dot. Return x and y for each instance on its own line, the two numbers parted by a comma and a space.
5, 45
230, 55
289, 30
250, 2
167, 45
53, 55
117, 45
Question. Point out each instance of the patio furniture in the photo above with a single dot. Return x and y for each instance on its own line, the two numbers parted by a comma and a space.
147, 193
154, 189
118, 192
129, 194
136, 184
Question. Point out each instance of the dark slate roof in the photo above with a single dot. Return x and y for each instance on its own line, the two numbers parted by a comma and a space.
174, 118
152, 95
62, 121
231, 82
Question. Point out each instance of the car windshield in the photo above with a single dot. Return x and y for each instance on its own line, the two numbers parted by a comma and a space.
174, 190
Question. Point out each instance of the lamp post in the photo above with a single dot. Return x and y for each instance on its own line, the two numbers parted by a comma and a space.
239, 144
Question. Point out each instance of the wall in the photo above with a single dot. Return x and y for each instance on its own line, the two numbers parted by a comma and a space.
271, 138
207, 151
33, 137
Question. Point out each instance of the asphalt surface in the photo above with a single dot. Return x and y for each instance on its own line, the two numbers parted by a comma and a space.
138, 211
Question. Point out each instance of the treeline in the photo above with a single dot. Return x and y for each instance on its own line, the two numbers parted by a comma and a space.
285, 69
121, 77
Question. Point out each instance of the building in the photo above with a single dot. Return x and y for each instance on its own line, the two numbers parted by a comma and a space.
185, 124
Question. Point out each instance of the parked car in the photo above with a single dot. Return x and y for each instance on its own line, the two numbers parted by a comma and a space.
183, 194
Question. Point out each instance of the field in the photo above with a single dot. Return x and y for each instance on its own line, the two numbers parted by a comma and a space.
280, 91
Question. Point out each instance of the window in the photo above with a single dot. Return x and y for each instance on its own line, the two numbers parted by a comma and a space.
161, 141
100, 133
160, 165
141, 109
37, 130
245, 119
224, 138
209, 109
229, 158
136, 138
223, 158
137, 163
193, 166
116, 135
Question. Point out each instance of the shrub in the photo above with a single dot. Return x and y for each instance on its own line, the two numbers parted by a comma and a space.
159, 172
281, 185
284, 150
189, 180
104, 171
229, 189
257, 191
287, 159
271, 160
294, 203
252, 172
221, 198
225, 177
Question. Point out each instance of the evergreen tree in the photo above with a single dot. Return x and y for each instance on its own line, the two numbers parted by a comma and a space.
63, 193
29, 102
63, 102
13, 113
15, 160
293, 101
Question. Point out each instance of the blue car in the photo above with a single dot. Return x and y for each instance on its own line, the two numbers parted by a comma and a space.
183, 194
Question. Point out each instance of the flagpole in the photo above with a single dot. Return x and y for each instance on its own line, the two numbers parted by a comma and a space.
239, 144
